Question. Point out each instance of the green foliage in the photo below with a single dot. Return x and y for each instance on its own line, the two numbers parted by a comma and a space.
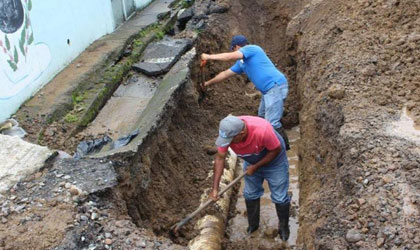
40, 137
29, 5
150, 29
138, 42
70, 118
77, 97
160, 34
186, 3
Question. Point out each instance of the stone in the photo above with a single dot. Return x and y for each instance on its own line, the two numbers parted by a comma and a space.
361, 201
353, 236
336, 91
218, 8
164, 15
84, 218
108, 241
74, 191
159, 57
108, 235
95, 216
271, 232
185, 16
387, 179
210, 150
141, 244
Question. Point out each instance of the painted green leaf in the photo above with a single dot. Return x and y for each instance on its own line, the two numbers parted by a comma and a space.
16, 56
31, 38
23, 35
21, 47
29, 5
12, 65
22, 41
7, 42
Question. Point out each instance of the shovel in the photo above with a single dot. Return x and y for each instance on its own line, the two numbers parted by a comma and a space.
175, 228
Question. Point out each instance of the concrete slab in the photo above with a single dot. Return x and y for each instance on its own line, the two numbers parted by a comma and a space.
153, 10
159, 56
19, 159
154, 111
124, 108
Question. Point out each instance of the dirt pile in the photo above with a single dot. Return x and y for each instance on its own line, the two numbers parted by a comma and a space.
356, 70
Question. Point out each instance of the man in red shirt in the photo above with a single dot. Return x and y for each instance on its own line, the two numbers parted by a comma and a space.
263, 150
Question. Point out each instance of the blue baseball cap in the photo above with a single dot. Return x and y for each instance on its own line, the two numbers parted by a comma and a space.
238, 40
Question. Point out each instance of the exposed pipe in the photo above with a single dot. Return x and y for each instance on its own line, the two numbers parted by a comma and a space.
212, 228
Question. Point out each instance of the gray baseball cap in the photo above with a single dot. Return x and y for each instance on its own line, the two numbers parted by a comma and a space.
229, 127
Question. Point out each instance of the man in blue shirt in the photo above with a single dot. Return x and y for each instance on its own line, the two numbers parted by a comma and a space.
252, 60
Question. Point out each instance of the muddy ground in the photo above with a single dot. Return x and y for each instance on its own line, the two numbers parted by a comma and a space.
352, 68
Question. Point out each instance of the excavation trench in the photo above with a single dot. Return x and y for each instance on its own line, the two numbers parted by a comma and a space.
352, 80
165, 179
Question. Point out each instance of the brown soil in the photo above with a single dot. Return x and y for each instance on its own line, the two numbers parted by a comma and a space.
351, 66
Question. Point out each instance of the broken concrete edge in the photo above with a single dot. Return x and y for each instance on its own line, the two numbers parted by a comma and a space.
27, 159
115, 75
212, 228
152, 116
95, 88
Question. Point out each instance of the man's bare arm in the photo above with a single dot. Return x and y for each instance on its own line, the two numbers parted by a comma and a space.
219, 165
220, 77
264, 161
231, 56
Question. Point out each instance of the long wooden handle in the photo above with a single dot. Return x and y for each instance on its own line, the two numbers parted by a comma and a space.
207, 203
219, 194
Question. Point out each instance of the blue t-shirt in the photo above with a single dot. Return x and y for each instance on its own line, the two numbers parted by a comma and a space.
259, 68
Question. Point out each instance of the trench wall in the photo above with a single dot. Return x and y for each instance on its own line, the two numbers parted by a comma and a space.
39, 38
354, 76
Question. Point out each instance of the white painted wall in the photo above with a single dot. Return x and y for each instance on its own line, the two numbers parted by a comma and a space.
140, 4
38, 38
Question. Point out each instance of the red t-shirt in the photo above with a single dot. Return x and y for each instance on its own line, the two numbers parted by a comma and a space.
260, 136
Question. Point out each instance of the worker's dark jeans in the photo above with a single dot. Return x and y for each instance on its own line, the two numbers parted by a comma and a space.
272, 104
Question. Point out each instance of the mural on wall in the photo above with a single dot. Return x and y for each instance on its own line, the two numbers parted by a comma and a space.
22, 61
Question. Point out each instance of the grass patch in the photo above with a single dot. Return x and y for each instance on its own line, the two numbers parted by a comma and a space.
186, 3
160, 34
40, 138
71, 118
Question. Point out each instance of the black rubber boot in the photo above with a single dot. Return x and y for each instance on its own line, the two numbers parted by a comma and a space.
253, 211
284, 135
283, 214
